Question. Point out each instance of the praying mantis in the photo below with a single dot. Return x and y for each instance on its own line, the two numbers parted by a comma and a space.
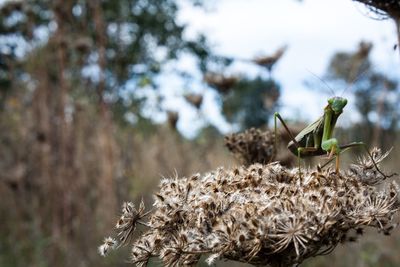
317, 138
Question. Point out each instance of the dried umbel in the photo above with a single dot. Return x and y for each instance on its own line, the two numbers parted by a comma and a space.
109, 243
195, 99
257, 146
364, 49
271, 60
251, 146
266, 215
220, 82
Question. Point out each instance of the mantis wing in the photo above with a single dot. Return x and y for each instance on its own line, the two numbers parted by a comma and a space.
313, 127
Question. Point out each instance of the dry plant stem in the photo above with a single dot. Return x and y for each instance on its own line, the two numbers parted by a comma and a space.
397, 21
259, 214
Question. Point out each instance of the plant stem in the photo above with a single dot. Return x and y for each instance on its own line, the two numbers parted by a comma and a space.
397, 21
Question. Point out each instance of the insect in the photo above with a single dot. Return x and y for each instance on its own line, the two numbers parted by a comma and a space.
317, 138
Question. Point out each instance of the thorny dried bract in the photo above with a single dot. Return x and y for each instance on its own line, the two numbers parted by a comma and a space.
261, 214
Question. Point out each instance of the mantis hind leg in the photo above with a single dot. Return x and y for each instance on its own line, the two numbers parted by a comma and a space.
300, 149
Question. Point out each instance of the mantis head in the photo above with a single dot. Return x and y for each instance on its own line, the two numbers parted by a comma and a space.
337, 103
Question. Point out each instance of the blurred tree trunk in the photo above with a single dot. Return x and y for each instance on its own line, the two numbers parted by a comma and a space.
53, 144
60, 128
380, 108
58, 158
106, 140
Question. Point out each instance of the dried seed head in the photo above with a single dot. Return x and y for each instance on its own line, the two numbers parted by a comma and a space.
271, 60
108, 244
194, 99
252, 146
220, 82
260, 214
126, 224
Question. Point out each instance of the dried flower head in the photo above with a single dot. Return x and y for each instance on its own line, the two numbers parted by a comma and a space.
271, 60
266, 215
258, 146
109, 243
220, 82
194, 99
251, 146
126, 225
364, 49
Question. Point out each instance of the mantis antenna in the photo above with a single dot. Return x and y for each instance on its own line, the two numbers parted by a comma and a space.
325, 83
357, 78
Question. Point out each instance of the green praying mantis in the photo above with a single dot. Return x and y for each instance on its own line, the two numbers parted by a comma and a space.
317, 138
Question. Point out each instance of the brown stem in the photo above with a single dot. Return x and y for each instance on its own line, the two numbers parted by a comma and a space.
377, 131
101, 42
397, 21
59, 125
106, 143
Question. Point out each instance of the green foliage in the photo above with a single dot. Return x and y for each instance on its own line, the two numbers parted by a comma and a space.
251, 103
207, 136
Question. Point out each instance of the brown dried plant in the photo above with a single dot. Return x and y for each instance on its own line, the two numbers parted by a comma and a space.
383, 8
270, 60
195, 99
251, 146
265, 215
257, 146
220, 82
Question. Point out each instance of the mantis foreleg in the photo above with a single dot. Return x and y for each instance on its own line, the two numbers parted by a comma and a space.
278, 116
300, 149
344, 148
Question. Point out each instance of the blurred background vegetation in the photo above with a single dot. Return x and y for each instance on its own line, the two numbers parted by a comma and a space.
76, 139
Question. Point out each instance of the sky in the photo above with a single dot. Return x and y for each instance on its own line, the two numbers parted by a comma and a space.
313, 30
